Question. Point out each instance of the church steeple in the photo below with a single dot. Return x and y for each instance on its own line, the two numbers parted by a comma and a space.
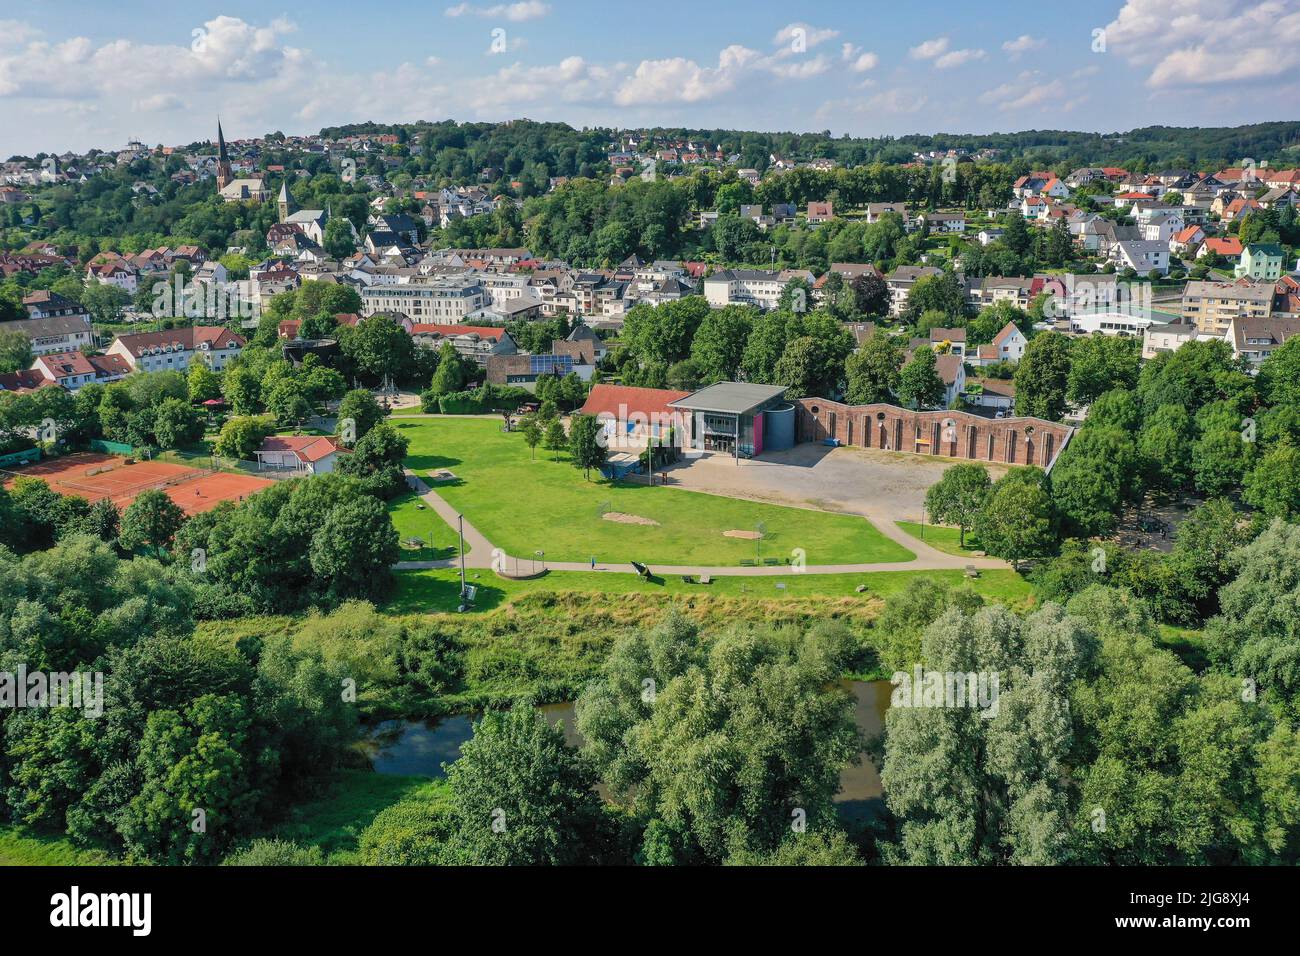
223, 160
285, 203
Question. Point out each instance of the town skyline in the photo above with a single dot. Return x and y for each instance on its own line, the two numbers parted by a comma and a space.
70, 79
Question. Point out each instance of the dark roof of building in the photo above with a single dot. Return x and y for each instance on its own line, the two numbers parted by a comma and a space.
732, 398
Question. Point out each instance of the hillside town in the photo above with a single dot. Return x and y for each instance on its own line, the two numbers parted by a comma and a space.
486, 492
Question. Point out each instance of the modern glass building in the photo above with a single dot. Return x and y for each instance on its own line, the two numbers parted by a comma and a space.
730, 417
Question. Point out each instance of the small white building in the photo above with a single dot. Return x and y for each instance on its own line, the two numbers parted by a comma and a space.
308, 454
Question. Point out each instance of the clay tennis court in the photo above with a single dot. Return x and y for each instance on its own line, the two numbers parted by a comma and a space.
93, 476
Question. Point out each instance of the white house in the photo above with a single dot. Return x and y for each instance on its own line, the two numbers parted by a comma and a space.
759, 287
174, 349
308, 454
74, 369
1142, 256
1007, 346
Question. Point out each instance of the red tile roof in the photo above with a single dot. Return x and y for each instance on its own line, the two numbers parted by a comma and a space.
190, 337
307, 448
624, 400
482, 331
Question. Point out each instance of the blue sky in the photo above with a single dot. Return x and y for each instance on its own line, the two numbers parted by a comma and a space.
75, 74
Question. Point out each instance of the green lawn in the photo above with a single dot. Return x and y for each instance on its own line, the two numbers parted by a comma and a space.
21, 847
414, 519
524, 506
336, 819
942, 538
434, 591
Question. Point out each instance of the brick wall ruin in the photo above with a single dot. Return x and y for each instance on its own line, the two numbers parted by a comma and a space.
951, 434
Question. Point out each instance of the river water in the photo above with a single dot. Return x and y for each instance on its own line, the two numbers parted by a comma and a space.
420, 748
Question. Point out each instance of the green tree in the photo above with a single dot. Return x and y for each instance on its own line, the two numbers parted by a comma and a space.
242, 435
451, 374
15, 352
985, 781
555, 439
873, 370
586, 443
360, 408
1099, 363
717, 745
919, 384
522, 797
1093, 478
354, 549
958, 497
1042, 377
151, 520
1016, 521
532, 433
1273, 485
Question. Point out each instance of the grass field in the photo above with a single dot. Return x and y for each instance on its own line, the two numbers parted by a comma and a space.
523, 506
336, 819
434, 591
413, 519
941, 538
20, 847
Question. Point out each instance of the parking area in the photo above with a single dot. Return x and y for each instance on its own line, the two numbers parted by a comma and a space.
882, 485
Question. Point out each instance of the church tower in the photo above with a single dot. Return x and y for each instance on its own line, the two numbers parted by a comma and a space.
285, 203
224, 176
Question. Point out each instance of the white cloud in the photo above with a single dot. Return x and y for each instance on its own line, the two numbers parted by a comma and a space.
802, 69
808, 36
158, 103
958, 58
859, 62
680, 80
897, 101
223, 49
929, 49
514, 12
1026, 92
1189, 43
1021, 45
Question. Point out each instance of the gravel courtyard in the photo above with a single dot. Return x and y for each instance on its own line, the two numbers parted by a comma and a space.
885, 486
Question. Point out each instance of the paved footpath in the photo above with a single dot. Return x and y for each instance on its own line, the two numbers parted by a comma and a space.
479, 553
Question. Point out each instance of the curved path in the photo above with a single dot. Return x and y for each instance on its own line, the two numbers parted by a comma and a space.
479, 553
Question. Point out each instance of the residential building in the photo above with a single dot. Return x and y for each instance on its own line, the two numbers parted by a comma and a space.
1261, 261
72, 370
1142, 256
1166, 337
1211, 306
1254, 339
474, 342
175, 349
55, 333
440, 300
758, 287
1007, 346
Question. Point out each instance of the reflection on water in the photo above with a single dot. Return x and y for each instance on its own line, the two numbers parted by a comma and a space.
859, 794
420, 748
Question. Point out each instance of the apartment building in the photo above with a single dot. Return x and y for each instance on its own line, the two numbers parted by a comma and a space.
437, 300
1211, 306
175, 349
759, 287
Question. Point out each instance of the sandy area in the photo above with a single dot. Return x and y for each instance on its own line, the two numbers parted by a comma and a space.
620, 518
